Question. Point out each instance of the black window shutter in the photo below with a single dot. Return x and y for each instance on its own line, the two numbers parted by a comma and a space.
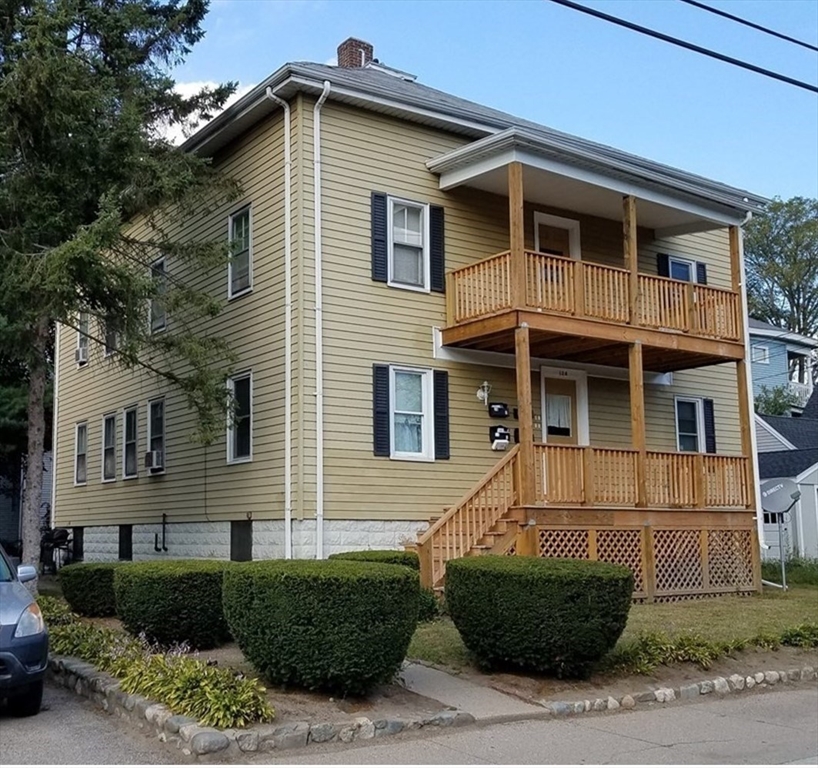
380, 268
441, 412
663, 265
380, 410
437, 255
709, 426
701, 273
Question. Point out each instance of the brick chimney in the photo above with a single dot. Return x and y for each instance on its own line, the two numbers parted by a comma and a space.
354, 53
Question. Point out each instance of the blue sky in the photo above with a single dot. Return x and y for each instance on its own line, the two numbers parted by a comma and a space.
578, 74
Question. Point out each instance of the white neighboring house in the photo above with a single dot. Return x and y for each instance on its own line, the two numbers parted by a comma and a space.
788, 449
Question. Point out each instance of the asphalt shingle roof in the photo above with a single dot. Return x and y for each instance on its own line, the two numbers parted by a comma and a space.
801, 432
786, 463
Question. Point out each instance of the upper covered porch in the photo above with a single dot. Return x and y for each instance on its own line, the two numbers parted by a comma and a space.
587, 304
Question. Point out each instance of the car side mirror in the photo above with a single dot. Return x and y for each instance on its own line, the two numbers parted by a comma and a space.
26, 573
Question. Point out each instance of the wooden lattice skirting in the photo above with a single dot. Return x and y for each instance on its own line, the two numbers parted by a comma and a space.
668, 564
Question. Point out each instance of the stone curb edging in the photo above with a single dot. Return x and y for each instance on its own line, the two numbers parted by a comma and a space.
202, 742
720, 686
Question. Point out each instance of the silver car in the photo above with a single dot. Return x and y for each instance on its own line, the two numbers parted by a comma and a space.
23, 640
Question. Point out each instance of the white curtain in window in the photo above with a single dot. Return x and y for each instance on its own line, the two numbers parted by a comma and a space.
408, 412
558, 411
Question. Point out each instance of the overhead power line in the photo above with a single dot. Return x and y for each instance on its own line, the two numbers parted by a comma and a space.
684, 44
751, 24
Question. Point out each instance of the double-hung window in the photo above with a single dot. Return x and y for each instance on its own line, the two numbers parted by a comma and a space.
411, 416
111, 336
130, 466
240, 426
689, 424
408, 244
240, 267
158, 311
156, 436
81, 454
81, 355
109, 448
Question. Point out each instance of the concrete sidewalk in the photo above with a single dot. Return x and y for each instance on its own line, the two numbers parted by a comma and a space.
483, 702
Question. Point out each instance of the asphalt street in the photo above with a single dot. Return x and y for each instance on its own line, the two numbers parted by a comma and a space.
774, 728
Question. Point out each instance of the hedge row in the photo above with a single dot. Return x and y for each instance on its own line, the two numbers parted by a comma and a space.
329, 624
89, 588
540, 614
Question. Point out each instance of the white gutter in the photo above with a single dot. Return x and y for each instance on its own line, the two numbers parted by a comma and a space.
54, 424
319, 328
288, 327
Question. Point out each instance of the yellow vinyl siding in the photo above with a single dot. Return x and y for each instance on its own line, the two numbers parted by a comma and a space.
367, 322
198, 485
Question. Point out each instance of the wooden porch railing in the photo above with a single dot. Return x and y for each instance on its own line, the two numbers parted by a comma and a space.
586, 289
588, 475
454, 534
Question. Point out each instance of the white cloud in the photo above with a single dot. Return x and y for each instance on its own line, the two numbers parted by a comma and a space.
176, 134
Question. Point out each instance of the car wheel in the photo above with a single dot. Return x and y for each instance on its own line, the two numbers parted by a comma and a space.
27, 703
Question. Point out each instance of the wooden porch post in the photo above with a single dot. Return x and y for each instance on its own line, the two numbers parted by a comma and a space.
637, 391
631, 256
745, 406
526, 414
516, 226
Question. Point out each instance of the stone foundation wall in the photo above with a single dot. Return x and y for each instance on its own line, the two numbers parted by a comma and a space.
212, 539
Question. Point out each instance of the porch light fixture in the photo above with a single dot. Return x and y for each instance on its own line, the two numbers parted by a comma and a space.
483, 392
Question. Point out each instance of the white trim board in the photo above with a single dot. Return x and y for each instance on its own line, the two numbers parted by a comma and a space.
503, 360
559, 222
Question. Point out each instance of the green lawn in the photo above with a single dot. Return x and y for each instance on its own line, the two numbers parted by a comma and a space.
715, 619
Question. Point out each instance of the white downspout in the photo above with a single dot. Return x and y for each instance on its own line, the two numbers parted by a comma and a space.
288, 328
749, 377
54, 425
319, 328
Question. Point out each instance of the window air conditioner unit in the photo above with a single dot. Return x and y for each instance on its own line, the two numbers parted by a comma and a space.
81, 355
154, 460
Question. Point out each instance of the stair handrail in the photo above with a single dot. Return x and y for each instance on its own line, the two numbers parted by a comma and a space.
469, 495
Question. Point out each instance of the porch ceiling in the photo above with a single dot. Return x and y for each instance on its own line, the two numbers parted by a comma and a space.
661, 352
668, 201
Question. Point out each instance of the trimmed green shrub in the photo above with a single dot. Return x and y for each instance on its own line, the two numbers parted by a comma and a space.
428, 604
329, 625
390, 556
173, 601
540, 614
89, 588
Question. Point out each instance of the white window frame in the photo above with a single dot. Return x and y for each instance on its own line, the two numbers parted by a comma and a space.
428, 431
77, 426
160, 329
682, 260
104, 479
390, 244
763, 359
248, 209
560, 222
125, 412
583, 418
149, 446
83, 339
231, 429
700, 437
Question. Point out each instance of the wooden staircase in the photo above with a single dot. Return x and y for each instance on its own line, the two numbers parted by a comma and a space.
478, 524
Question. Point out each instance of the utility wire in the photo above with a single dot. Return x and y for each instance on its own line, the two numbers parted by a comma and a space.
747, 23
689, 46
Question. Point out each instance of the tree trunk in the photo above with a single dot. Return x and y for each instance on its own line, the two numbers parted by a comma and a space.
36, 446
